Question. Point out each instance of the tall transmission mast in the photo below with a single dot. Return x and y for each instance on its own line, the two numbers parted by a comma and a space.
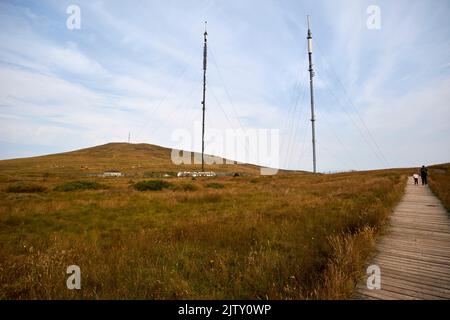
311, 86
205, 56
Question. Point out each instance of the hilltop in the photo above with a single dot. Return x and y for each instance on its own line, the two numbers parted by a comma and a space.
131, 159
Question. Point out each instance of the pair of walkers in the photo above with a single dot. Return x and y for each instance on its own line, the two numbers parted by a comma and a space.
423, 175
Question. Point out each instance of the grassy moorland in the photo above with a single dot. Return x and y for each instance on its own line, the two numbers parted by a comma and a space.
439, 181
290, 236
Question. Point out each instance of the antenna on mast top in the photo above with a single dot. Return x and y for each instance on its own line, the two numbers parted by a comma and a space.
309, 37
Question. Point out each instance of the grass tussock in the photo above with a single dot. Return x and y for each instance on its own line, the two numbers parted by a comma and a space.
285, 237
23, 187
79, 185
215, 185
152, 185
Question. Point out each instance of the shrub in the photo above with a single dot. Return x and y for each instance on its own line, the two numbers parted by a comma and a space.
22, 187
79, 185
152, 185
215, 185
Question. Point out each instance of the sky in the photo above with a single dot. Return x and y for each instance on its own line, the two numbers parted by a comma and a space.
382, 87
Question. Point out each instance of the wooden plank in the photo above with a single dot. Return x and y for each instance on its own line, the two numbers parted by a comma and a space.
420, 208
427, 234
420, 220
424, 217
410, 284
420, 242
415, 252
416, 277
420, 259
411, 291
416, 248
380, 260
383, 294
424, 227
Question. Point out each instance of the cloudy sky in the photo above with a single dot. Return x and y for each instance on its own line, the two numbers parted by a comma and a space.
382, 94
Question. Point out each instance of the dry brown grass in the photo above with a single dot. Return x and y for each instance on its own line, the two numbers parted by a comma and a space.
350, 252
439, 181
282, 237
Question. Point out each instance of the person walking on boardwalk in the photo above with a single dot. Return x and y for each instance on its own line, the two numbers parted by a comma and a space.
416, 179
424, 175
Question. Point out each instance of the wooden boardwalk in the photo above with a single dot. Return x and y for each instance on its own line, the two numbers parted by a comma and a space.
414, 254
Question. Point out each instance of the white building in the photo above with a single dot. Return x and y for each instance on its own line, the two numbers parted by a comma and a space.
112, 174
196, 174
